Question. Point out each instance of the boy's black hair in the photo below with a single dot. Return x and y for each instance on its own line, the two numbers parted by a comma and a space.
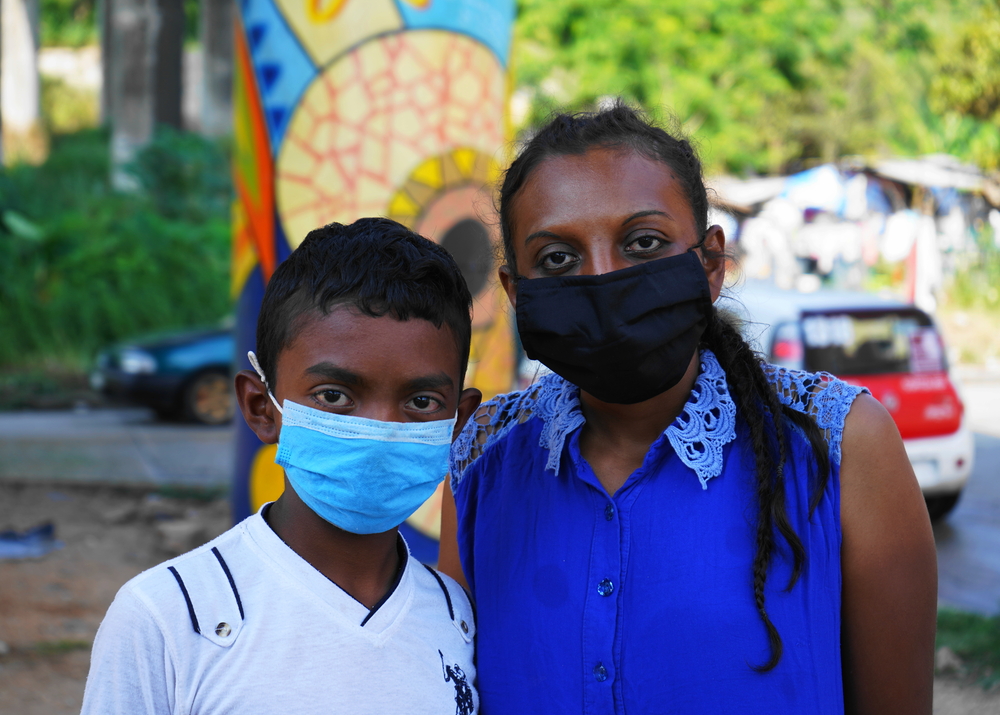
622, 127
374, 264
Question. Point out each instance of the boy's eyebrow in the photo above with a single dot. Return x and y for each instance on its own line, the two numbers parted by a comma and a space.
338, 374
429, 382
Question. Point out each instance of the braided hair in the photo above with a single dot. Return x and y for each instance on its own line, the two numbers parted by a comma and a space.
756, 401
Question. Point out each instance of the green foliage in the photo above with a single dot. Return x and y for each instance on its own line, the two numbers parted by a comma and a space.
69, 23
975, 639
977, 284
763, 86
83, 266
966, 88
66, 108
74, 23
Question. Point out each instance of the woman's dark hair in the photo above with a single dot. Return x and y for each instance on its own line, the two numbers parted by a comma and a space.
756, 400
374, 264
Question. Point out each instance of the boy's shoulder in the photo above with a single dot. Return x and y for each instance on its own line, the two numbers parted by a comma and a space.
196, 590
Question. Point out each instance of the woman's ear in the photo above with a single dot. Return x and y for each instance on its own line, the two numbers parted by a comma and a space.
509, 284
713, 258
258, 411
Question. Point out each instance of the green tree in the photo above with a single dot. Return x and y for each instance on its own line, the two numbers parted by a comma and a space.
761, 85
966, 88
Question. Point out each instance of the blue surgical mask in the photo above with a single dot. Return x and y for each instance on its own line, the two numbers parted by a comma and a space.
361, 475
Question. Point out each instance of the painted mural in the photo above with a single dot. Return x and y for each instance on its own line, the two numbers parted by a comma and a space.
350, 108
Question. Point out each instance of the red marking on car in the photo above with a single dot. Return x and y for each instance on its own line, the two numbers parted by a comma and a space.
924, 405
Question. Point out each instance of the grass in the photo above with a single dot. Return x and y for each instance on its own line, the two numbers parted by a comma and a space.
975, 639
83, 266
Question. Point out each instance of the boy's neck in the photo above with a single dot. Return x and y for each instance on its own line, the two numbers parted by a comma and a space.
364, 565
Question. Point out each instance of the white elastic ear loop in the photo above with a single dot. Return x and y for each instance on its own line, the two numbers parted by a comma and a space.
256, 366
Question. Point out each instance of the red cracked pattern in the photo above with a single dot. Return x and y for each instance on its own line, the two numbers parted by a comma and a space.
376, 114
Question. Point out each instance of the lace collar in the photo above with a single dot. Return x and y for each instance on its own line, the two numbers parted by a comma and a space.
698, 435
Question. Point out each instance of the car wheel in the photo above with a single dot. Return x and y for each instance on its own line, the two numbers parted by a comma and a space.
939, 505
208, 398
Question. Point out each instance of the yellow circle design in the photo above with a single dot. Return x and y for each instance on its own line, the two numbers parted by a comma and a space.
267, 479
319, 14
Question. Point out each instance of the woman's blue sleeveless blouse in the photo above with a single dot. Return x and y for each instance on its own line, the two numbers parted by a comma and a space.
642, 602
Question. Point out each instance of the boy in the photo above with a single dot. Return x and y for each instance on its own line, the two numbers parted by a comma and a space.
313, 605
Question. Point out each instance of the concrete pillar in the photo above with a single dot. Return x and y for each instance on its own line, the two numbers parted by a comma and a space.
217, 73
20, 105
143, 76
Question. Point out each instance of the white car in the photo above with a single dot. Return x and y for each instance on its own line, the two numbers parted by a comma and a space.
888, 346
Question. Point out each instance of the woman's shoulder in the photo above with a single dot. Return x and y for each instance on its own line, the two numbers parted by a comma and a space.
825, 398
552, 400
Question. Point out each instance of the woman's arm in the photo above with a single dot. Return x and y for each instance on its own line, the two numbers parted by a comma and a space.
889, 570
448, 559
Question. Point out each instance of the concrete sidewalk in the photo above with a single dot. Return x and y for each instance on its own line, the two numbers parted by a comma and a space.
118, 447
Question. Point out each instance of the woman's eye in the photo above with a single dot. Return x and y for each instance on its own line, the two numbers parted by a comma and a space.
425, 403
333, 398
557, 260
645, 244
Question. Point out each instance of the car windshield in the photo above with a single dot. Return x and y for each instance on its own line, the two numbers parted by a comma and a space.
871, 342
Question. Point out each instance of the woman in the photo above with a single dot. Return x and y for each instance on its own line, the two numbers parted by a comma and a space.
665, 524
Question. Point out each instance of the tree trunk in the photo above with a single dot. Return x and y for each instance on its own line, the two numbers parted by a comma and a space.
217, 57
168, 63
20, 91
143, 77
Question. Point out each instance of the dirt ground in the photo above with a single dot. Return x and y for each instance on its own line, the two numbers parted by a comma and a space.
50, 607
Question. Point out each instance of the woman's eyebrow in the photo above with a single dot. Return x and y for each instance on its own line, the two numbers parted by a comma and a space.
329, 371
651, 212
540, 234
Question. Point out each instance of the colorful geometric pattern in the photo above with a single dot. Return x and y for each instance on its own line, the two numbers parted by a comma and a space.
375, 115
350, 108
282, 67
253, 176
436, 175
489, 22
329, 28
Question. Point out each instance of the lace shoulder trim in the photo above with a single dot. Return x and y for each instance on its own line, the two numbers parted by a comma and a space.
698, 435
552, 398
820, 395
707, 423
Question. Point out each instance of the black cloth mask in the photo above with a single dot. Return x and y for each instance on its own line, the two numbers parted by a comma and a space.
624, 336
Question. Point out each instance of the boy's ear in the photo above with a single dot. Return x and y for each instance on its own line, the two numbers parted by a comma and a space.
468, 401
256, 406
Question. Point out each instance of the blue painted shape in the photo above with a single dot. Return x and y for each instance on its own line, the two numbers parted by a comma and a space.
256, 34
276, 117
269, 73
488, 21
283, 67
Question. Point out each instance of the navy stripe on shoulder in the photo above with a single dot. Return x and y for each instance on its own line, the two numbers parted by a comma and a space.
187, 599
447, 596
232, 584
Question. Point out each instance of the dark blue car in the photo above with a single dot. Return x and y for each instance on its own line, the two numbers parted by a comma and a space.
181, 375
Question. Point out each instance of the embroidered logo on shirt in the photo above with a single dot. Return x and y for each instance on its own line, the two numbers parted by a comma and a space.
463, 693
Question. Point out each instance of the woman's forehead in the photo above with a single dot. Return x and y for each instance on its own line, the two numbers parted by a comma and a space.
603, 182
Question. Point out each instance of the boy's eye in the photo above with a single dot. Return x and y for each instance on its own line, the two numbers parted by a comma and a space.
333, 398
424, 403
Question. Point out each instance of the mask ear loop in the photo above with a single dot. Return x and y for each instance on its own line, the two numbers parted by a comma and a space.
256, 366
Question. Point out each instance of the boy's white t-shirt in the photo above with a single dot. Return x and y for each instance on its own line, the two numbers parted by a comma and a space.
276, 636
